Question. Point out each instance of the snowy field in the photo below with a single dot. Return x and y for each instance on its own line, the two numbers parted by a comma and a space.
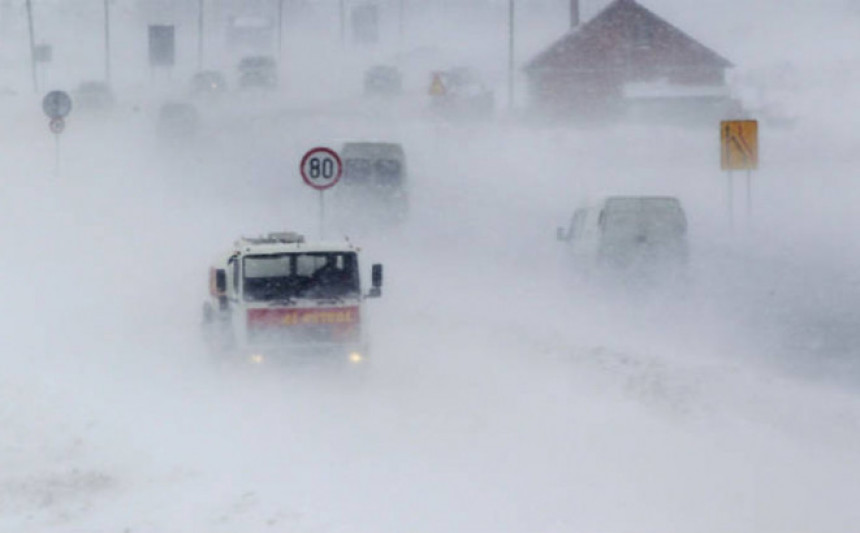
505, 394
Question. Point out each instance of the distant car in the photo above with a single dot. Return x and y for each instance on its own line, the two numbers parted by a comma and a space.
208, 82
374, 183
258, 72
94, 96
177, 120
629, 233
383, 80
462, 94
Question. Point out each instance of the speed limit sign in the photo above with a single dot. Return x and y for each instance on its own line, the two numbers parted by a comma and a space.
321, 168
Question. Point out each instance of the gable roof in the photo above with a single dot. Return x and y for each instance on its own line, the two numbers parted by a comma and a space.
623, 34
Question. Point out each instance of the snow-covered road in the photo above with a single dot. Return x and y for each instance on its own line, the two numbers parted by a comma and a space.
504, 395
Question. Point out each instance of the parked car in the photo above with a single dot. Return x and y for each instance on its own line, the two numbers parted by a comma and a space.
177, 120
383, 80
208, 82
259, 72
460, 93
94, 96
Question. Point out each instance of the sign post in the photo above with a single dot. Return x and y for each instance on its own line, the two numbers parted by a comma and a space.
321, 169
57, 105
162, 47
739, 151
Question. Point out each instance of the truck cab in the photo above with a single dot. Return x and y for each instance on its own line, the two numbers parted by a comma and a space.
278, 295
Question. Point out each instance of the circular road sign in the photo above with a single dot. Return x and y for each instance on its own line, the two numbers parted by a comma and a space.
57, 104
57, 125
321, 168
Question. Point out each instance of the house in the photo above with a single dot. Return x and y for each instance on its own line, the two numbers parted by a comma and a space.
627, 62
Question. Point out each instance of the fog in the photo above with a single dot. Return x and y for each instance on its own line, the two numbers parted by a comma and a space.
505, 392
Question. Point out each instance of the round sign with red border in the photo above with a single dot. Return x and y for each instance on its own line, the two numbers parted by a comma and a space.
321, 168
57, 125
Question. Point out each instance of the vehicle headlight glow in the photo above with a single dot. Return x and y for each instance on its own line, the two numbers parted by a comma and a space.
355, 357
257, 359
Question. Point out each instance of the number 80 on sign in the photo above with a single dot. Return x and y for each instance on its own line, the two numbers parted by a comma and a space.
321, 168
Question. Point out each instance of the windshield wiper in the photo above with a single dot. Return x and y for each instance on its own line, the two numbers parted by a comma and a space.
281, 301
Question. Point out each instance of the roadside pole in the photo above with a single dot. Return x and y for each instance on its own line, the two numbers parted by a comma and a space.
322, 215
511, 13
107, 41
32, 45
749, 197
200, 35
342, 22
401, 22
280, 29
321, 169
730, 198
739, 151
57, 105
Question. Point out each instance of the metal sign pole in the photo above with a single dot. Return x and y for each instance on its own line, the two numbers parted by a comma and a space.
32, 46
343, 22
749, 197
56, 156
730, 200
322, 214
200, 35
510, 54
280, 29
107, 41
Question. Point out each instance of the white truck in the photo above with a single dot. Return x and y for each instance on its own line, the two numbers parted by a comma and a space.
277, 296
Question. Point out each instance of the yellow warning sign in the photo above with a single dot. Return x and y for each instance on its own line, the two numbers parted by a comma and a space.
437, 86
739, 144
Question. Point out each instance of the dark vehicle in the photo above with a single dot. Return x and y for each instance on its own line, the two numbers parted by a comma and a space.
177, 120
374, 183
208, 82
383, 80
94, 96
258, 72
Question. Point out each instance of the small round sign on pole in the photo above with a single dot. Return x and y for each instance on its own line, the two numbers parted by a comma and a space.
321, 169
57, 125
57, 104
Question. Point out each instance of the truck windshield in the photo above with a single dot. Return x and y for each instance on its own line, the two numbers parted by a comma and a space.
324, 275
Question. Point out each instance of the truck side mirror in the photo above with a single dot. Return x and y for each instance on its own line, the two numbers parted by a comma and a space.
375, 282
561, 235
376, 276
218, 282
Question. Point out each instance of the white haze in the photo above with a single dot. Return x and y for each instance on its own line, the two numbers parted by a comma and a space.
505, 394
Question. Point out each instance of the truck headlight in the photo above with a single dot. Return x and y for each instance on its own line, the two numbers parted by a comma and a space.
257, 359
355, 358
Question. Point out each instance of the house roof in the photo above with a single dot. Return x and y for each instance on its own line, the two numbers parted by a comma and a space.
624, 34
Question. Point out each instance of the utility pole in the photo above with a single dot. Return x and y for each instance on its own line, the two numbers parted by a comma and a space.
343, 22
32, 45
107, 41
280, 28
200, 35
510, 54
402, 21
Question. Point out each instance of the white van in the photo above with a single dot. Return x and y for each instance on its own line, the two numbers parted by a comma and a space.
375, 184
629, 232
